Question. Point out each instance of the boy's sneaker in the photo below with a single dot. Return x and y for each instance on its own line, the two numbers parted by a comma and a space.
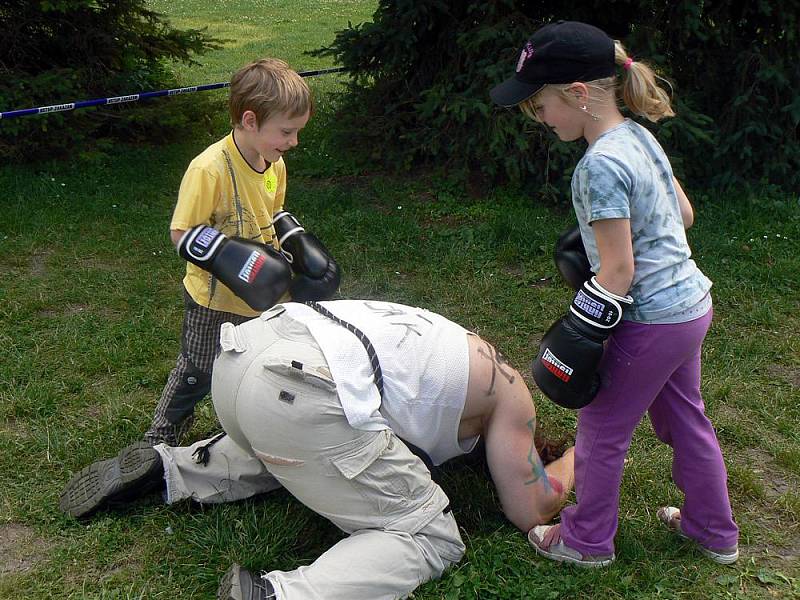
136, 470
671, 517
241, 584
546, 540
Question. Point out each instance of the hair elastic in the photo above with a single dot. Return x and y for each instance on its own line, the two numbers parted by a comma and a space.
627, 64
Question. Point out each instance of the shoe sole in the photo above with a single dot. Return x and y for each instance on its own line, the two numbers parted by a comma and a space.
584, 564
593, 564
722, 559
229, 587
106, 481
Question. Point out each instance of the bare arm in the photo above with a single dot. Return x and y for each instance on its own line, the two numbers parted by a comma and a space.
175, 235
615, 247
499, 407
561, 470
687, 213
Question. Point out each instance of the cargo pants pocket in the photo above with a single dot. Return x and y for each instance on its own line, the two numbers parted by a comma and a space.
394, 483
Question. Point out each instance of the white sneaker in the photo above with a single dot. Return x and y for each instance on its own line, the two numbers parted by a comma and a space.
546, 540
671, 517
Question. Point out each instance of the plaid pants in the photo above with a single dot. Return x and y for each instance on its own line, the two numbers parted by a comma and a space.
190, 380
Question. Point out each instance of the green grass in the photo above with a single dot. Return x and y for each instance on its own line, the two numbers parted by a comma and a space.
90, 313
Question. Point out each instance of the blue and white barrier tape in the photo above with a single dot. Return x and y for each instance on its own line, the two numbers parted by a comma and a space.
10, 114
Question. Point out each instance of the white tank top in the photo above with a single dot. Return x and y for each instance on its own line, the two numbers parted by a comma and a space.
425, 363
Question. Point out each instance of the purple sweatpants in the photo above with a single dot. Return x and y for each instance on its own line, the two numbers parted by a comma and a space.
654, 368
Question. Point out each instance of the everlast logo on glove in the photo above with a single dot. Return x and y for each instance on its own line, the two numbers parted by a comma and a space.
202, 242
206, 237
252, 266
592, 308
555, 366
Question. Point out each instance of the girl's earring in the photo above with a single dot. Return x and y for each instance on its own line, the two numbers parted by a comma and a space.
595, 117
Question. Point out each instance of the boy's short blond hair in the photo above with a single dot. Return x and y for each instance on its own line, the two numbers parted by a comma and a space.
268, 87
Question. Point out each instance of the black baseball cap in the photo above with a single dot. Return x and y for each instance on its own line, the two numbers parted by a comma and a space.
560, 52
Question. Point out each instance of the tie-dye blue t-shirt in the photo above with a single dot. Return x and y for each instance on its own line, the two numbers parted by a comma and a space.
625, 174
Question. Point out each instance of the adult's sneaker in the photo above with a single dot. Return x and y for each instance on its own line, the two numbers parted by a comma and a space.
135, 471
241, 584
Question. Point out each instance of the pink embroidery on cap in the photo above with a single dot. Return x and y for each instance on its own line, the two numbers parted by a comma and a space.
526, 53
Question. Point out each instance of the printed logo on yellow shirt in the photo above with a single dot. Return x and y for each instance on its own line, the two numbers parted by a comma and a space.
270, 181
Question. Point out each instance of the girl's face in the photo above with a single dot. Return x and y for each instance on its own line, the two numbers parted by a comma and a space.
555, 111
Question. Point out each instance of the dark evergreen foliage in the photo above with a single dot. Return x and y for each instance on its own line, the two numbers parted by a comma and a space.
422, 69
59, 51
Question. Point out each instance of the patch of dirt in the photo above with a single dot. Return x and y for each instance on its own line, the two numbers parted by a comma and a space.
722, 410
767, 517
538, 282
71, 310
20, 549
37, 264
775, 481
381, 208
74, 309
14, 428
445, 221
94, 411
790, 374
98, 264
785, 553
128, 564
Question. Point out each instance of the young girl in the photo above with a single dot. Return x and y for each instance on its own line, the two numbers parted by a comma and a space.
632, 213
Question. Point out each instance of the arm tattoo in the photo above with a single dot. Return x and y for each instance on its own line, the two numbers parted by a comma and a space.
537, 468
498, 360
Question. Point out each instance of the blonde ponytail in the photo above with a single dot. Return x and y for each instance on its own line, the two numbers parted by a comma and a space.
640, 90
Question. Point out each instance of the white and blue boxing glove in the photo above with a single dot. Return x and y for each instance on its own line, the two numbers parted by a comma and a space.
256, 273
565, 368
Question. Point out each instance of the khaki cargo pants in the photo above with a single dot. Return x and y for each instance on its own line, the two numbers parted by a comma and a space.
275, 398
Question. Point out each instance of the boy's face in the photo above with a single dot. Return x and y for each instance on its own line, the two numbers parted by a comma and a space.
275, 136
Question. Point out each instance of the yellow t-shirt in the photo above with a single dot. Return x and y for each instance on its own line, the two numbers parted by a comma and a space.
222, 190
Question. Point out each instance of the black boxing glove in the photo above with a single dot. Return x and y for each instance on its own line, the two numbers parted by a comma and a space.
566, 367
256, 273
570, 258
317, 275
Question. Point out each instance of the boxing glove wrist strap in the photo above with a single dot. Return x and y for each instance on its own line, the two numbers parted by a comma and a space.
286, 225
200, 243
597, 306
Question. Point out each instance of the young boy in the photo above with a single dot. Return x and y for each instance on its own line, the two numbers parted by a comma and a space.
229, 224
